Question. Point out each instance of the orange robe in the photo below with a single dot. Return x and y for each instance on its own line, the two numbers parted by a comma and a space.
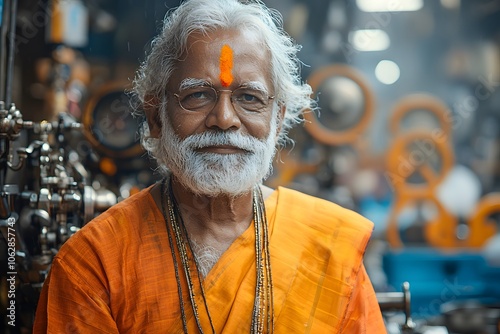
116, 275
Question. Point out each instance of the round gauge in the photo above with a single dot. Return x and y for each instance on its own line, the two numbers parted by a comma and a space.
341, 102
346, 105
109, 123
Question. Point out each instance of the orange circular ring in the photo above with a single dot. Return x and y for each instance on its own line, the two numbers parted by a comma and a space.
88, 122
439, 232
400, 165
423, 102
480, 229
322, 133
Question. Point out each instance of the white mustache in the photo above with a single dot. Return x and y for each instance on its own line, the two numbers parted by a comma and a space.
219, 138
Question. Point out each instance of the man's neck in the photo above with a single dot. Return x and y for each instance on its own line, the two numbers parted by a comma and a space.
213, 221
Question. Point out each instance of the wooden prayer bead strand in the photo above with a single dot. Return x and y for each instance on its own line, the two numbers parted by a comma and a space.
174, 258
257, 300
270, 296
263, 303
181, 247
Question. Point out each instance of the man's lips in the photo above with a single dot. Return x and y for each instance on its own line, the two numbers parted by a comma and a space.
222, 149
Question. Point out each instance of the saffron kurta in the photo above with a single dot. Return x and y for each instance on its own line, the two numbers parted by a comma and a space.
116, 275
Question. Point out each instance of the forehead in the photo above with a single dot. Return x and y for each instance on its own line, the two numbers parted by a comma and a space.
202, 60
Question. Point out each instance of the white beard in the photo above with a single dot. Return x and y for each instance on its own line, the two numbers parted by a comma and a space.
213, 174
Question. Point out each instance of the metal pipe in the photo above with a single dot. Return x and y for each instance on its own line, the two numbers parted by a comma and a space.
398, 301
391, 301
3, 47
12, 49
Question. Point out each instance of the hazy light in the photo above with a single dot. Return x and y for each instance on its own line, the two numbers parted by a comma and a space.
389, 5
387, 72
450, 4
369, 40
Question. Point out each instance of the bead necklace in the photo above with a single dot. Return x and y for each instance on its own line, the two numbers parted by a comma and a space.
263, 309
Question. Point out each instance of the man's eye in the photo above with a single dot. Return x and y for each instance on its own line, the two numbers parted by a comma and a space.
249, 96
197, 99
198, 95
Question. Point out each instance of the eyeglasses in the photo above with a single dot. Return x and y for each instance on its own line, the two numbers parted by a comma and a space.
204, 99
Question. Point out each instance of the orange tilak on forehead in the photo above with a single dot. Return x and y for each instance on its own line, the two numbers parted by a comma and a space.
226, 65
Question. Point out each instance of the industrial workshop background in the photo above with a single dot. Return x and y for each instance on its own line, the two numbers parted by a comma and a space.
408, 135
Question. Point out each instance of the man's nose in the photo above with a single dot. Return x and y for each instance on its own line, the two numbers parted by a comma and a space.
223, 115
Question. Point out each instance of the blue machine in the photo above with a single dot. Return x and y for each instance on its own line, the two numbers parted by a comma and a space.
438, 277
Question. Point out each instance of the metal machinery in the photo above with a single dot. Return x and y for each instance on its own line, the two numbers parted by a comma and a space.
45, 197
398, 301
45, 193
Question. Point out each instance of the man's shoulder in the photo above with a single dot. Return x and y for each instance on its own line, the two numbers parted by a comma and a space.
137, 204
320, 211
318, 226
115, 225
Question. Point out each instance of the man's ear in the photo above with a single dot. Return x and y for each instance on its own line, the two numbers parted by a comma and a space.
151, 110
281, 117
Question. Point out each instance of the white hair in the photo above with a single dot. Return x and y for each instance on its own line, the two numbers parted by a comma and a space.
204, 16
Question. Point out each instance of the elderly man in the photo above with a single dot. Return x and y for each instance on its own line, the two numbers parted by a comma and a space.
210, 249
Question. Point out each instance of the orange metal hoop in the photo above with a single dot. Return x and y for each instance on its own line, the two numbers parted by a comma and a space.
438, 232
402, 163
421, 102
319, 131
480, 228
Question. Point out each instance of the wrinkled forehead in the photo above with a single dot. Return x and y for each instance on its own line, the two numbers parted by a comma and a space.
239, 40
225, 57
247, 34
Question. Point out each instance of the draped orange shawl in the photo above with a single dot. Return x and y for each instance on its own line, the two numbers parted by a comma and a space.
116, 274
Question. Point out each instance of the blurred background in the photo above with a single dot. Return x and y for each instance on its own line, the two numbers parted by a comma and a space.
408, 135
